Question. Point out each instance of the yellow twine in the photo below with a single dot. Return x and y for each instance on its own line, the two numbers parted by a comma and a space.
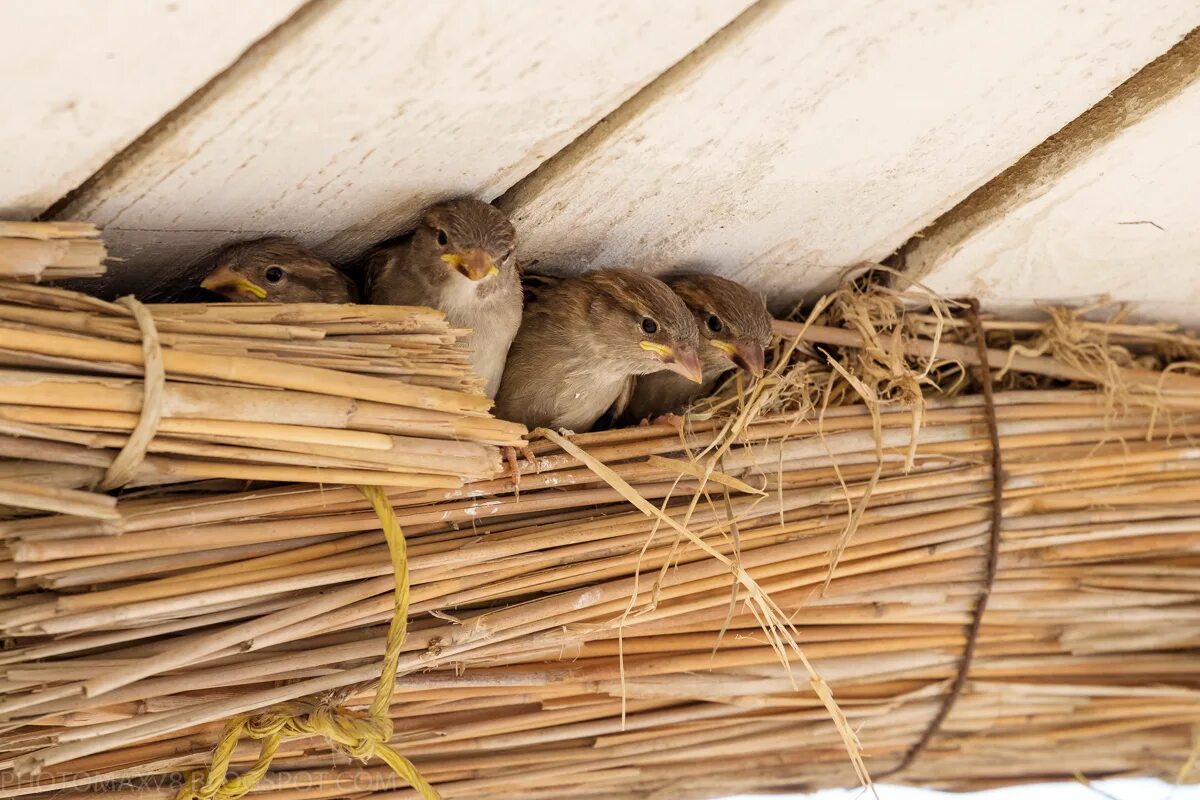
362, 735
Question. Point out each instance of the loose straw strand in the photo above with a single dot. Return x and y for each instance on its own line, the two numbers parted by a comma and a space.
125, 465
993, 553
362, 735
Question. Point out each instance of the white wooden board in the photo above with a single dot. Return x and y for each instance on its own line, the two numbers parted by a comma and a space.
810, 136
1123, 221
343, 131
84, 78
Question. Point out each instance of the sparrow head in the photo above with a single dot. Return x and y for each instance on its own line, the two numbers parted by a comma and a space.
734, 324
636, 319
277, 270
467, 237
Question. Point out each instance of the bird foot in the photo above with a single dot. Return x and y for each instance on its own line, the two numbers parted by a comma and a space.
514, 470
532, 459
510, 458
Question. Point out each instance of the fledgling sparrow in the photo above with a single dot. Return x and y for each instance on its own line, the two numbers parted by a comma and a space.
460, 261
735, 330
535, 284
583, 339
276, 269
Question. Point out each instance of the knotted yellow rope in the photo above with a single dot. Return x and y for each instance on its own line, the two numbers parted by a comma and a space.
362, 735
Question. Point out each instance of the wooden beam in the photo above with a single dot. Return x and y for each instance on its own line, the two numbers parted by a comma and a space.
1107, 206
84, 79
340, 130
810, 136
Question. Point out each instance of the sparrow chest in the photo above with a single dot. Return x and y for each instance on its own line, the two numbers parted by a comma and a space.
466, 304
465, 308
582, 397
460, 301
492, 316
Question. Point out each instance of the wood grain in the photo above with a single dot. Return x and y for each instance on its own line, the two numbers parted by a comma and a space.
338, 132
84, 79
808, 137
1107, 207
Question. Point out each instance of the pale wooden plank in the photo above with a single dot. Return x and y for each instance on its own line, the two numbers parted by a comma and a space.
377, 107
1109, 207
810, 136
83, 79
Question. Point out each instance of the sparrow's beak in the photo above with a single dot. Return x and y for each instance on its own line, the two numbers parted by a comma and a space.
475, 263
681, 358
223, 280
745, 354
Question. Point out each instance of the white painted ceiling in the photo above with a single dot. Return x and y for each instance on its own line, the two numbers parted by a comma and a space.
780, 142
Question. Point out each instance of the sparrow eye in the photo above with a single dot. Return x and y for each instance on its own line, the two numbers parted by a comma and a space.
714, 323
649, 325
274, 274
507, 255
443, 239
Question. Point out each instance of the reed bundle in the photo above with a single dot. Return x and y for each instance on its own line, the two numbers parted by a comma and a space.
378, 395
50, 250
663, 613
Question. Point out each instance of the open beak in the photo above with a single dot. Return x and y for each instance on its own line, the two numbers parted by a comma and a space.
223, 280
474, 263
681, 359
747, 355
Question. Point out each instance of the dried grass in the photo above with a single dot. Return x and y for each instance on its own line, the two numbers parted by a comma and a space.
627, 625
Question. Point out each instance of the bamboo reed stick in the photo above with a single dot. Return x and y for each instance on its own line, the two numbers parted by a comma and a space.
565, 643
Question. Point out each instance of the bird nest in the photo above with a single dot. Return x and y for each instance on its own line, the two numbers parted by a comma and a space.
928, 546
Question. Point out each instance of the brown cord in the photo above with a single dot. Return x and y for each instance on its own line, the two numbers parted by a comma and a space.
125, 465
993, 554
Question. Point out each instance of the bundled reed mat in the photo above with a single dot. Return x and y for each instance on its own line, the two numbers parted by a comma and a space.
868, 562
50, 250
97, 394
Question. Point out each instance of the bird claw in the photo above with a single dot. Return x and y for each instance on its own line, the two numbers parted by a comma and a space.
532, 459
510, 458
514, 470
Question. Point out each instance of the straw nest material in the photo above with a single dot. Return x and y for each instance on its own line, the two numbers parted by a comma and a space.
314, 393
809, 584
35, 251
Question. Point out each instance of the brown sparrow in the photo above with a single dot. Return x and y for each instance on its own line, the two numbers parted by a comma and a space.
583, 339
460, 261
277, 270
735, 330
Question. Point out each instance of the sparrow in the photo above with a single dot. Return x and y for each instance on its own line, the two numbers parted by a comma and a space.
583, 339
460, 261
535, 284
277, 270
735, 330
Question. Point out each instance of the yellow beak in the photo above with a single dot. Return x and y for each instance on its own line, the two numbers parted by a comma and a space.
225, 281
747, 355
474, 263
724, 347
681, 359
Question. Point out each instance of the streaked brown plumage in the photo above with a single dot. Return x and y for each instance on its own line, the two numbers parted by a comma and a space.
459, 260
583, 339
276, 269
535, 284
735, 329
